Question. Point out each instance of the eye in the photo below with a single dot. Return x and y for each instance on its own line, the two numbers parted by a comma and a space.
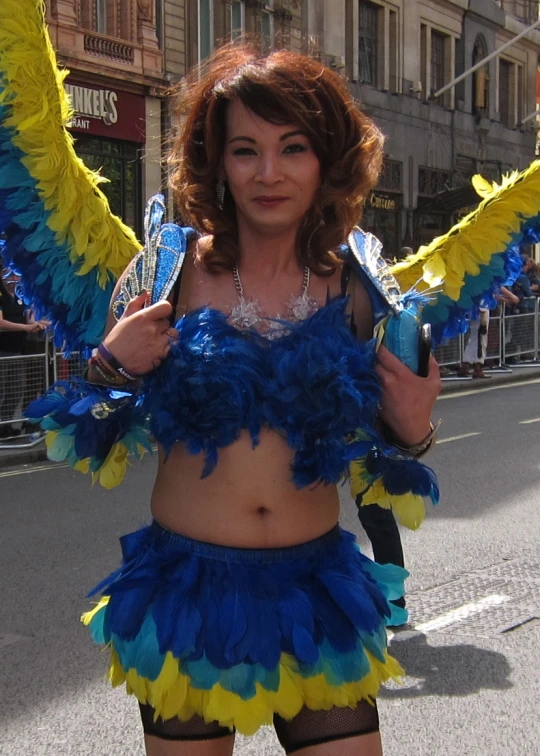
293, 149
244, 151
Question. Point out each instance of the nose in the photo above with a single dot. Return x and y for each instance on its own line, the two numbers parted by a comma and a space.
269, 169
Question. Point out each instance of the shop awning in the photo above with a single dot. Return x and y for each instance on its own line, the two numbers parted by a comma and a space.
450, 200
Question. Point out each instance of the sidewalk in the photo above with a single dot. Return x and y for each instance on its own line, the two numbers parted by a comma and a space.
515, 374
15, 456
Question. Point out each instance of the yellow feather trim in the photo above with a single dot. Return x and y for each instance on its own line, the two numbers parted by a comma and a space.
171, 695
113, 470
79, 211
87, 617
409, 509
473, 241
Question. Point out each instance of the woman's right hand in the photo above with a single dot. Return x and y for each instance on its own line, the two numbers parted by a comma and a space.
141, 339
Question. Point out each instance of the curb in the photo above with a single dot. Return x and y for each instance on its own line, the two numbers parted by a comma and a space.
11, 458
455, 386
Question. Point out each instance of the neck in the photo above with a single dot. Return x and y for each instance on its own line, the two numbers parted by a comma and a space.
270, 253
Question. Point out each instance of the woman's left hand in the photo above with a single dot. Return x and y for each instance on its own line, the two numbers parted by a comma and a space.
407, 400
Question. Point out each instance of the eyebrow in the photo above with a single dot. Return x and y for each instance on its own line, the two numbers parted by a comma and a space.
282, 138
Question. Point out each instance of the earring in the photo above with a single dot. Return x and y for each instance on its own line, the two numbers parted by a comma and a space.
220, 193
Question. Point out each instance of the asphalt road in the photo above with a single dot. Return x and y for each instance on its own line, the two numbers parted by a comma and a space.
471, 652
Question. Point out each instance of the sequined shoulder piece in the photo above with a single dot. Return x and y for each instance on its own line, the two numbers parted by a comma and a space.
157, 266
365, 251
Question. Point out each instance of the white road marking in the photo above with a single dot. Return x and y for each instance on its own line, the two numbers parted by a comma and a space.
461, 612
527, 422
457, 438
457, 394
453, 617
11, 473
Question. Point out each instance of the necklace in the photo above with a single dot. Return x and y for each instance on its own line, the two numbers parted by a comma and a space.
248, 313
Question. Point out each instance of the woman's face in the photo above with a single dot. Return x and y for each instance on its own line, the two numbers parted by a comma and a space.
272, 171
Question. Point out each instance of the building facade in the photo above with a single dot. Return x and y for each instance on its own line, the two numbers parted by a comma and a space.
117, 85
397, 55
126, 56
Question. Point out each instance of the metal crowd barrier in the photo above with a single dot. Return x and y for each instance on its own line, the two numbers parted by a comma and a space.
513, 341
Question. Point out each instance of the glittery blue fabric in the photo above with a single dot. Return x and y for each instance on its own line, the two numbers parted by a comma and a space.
316, 385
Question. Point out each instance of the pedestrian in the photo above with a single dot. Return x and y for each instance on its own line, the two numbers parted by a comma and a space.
476, 350
14, 330
244, 603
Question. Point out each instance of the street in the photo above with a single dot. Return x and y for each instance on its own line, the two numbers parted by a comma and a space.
471, 651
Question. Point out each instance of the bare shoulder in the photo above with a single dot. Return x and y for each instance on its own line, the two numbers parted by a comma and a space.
362, 309
199, 286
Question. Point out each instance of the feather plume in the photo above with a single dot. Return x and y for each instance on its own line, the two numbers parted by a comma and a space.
478, 255
227, 676
61, 235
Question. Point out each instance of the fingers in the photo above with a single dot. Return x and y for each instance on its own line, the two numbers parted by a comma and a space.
389, 361
160, 310
134, 305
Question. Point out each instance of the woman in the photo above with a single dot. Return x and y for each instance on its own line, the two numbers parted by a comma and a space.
243, 603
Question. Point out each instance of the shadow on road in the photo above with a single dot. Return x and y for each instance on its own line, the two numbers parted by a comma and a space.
461, 670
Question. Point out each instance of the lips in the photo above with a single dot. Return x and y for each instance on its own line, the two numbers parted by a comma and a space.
269, 201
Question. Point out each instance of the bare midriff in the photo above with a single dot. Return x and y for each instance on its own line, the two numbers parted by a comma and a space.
248, 501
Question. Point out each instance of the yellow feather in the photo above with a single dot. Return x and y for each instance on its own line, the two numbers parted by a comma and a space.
33, 87
479, 235
171, 695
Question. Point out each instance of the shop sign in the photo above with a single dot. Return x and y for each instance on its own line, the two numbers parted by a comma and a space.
383, 201
106, 112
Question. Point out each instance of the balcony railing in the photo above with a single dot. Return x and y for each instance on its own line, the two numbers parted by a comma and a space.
112, 49
525, 10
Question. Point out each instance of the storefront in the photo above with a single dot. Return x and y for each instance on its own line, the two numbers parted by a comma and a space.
109, 126
382, 217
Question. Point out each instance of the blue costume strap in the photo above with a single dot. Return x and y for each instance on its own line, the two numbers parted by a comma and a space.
93, 428
157, 267
396, 316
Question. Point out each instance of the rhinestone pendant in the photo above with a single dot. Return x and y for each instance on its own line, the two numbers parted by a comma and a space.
246, 313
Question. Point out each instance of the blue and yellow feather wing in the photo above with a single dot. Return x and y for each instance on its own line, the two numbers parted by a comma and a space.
60, 233
468, 265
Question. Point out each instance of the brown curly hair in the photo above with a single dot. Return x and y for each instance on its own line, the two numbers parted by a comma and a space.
283, 87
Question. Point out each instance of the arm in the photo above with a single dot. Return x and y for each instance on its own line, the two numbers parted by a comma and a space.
507, 296
7, 325
407, 400
93, 425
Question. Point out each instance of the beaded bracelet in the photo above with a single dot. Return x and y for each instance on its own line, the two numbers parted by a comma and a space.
111, 360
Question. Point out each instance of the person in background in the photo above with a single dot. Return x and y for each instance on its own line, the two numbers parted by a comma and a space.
14, 329
476, 349
36, 367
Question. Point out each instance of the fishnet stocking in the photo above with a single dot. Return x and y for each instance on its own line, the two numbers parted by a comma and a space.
174, 729
311, 728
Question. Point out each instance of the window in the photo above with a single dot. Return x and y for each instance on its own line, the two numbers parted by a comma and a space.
120, 163
267, 27
391, 176
238, 18
437, 61
205, 17
368, 47
100, 16
521, 103
480, 93
505, 92
431, 181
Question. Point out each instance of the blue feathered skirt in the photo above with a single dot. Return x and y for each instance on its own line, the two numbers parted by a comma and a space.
238, 635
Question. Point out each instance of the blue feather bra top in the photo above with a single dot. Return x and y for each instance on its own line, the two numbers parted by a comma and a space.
316, 385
